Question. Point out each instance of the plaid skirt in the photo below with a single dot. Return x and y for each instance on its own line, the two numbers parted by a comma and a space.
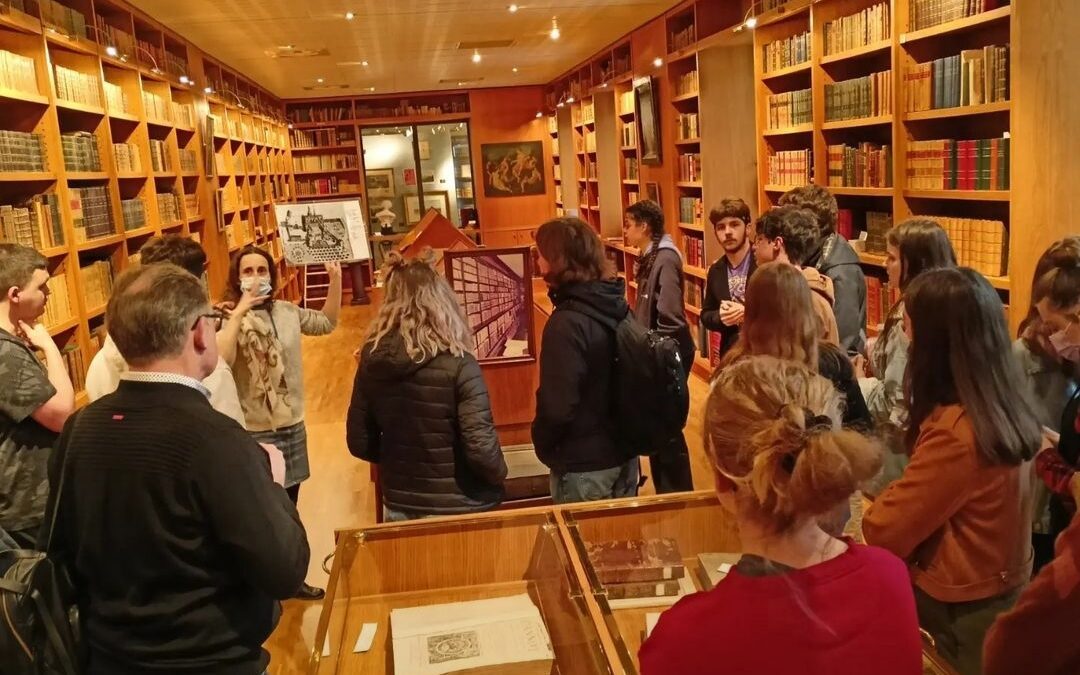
292, 442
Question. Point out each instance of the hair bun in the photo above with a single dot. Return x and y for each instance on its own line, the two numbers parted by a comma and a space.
427, 256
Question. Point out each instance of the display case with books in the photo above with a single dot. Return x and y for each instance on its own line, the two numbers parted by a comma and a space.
488, 593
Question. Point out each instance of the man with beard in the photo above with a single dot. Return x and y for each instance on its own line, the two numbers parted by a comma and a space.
722, 306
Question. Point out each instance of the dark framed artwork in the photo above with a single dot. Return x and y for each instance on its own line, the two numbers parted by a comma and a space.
652, 192
513, 169
494, 286
648, 120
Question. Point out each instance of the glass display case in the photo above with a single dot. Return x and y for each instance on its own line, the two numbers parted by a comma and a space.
394, 566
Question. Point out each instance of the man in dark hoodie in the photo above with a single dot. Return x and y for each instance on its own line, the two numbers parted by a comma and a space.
833, 256
574, 428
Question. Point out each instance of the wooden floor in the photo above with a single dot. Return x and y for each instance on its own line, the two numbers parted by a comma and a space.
339, 493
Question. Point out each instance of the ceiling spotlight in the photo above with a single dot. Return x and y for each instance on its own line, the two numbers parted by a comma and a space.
208, 90
476, 56
319, 80
349, 16
111, 51
539, 114
555, 32
512, 8
560, 104
184, 79
658, 62
570, 100
371, 88
751, 22
515, 69
460, 84
603, 86
364, 64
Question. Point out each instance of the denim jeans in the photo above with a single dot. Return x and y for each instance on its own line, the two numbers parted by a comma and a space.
590, 486
390, 515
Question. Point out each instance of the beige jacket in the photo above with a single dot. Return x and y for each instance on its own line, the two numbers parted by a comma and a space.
823, 297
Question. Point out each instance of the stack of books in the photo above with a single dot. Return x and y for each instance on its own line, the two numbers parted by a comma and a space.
590, 141
687, 84
35, 223
686, 126
869, 96
116, 99
90, 213
930, 13
80, 151
786, 53
322, 162
156, 107
877, 230
18, 72
134, 213
58, 309
626, 102
694, 292
638, 568
629, 135
71, 85
790, 109
182, 115
682, 38
973, 77
189, 161
168, 208
97, 282
864, 165
880, 297
694, 249
958, 165
979, 244
127, 158
867, 27
690, 167
160, 160
791, 167
20, 151
691, 211
191, 205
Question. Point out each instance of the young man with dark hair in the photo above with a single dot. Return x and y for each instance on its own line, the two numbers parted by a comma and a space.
833, 256
786, 234
35, 400
178, 540
725, 286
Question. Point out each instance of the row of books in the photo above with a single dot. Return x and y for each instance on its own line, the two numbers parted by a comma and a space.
59, 308
929, 13
149, 53
878, 225
133, 212
404, 108
845, 223
958, 165
588, 113
590, 141
331, 185
687, 83
35, 222
790, 51
629, 135
77, 87
80, 151
191, 205
686, 126
972, 77
160, 109
175, 65
21, 151
108, 34
880, 298
790, 109
116, 99
690, 167
694, 249
18, 72
864, 165
860, 29
691, 211
168, 205
160, 159
630, 165
97, 282
90, 213
694, 293
126, 156
682, 38
189, 161
324, 162
867, 96
553, 125
979, 244
556, 172
590, 170
317, 138
75, 363
63, 18
626, 102
791, 167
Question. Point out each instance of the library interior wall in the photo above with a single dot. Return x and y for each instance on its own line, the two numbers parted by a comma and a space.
647, 44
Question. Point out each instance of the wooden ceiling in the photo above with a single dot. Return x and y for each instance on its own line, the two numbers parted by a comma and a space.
409, 45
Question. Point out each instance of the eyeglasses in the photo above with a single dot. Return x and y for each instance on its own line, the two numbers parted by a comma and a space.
217, 317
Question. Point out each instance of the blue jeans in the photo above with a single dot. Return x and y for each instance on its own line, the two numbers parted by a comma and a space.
591, 486
390, 515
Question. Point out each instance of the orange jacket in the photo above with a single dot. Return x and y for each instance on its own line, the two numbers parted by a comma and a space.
962, 523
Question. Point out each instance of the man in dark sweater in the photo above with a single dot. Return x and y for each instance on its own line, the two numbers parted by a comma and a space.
169, 520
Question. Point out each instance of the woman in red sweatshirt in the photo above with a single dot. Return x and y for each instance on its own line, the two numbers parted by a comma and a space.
799, 600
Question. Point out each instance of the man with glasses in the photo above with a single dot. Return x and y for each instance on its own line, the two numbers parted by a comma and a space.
105, 370
178, 541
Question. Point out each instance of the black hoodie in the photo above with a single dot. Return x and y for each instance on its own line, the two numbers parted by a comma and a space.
574, 429
428, 426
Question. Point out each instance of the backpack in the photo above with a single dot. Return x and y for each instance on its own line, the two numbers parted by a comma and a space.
650, 397
39, 622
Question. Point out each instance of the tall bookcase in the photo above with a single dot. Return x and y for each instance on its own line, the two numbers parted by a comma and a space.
873, 152
109, 101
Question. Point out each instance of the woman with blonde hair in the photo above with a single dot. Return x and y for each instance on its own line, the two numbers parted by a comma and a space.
780, 462
420, 408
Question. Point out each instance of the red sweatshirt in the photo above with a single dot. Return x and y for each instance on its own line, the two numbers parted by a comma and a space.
852, 615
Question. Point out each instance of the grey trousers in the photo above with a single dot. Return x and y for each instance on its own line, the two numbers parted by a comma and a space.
590, 486
959, 628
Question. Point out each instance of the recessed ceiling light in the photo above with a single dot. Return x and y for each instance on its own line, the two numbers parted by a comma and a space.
349, 16
658, 62
319, 80
515, 69
539, 114
512, 8
476, 58
555, 32
460, 84
364, 64
371, 88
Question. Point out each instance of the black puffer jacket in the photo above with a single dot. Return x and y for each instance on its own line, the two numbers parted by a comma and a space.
574, 430
429, 428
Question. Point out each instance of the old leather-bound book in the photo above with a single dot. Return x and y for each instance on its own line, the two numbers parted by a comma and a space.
620, 562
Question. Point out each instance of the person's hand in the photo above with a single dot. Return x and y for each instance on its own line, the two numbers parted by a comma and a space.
334, 270
37, 335
858, 362
731, 313
248, 299
277, 462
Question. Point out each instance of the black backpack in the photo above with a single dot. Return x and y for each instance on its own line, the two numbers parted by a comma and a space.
39, 622
650, 398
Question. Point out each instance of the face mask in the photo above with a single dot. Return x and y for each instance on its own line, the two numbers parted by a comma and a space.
1064, 346
261, 284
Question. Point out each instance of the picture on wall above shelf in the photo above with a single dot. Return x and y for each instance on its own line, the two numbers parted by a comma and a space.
495, 289
648, 121
380, 183
513, 169
440, 201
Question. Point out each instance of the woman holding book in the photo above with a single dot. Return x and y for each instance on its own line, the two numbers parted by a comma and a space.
960, 513
420, 407
781, 461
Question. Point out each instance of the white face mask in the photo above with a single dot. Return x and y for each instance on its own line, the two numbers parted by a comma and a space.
261, 284
1065, 347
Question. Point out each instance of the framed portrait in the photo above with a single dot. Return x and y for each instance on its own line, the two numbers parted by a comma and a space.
380, 183
648, 120
513, 169
652, 192
440, 201
494, 286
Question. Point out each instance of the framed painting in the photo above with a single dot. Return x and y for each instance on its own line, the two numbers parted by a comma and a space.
439, 200
494, 286
648, 120
513, 169
380, 184
652, 192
